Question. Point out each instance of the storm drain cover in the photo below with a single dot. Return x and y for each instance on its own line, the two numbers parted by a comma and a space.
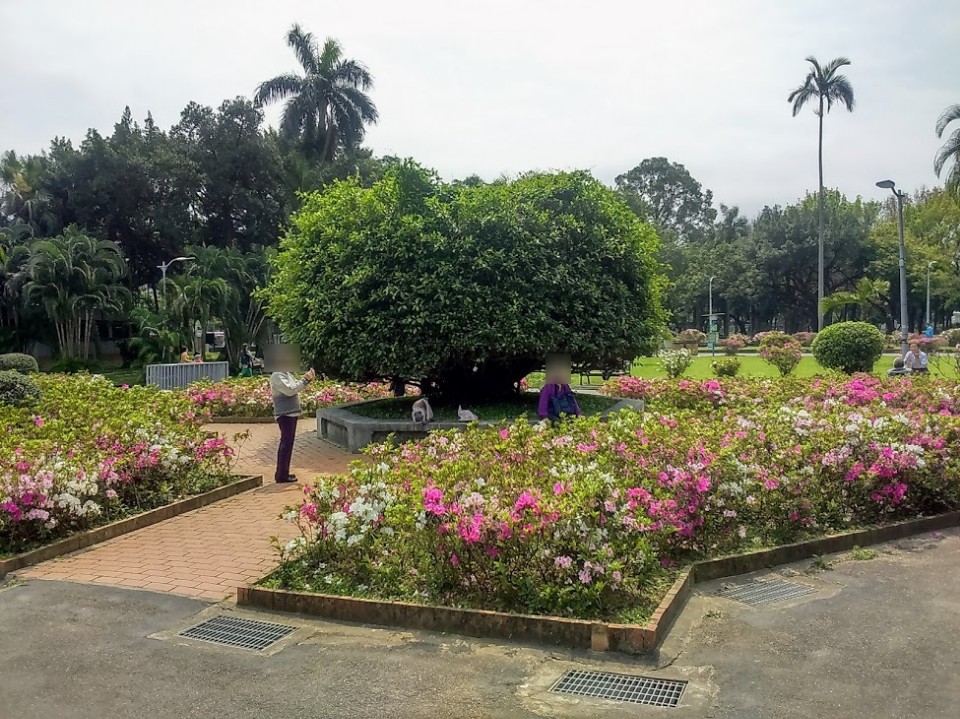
621, 688
765, 592
238, 632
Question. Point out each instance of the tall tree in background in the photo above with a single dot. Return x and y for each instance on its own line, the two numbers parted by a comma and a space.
327, 106
950, 152
826, 86
667, 195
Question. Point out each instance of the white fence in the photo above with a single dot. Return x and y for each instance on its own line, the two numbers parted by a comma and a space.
175, 376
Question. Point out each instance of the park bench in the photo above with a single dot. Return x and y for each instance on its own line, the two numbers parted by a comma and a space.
604, 373
180, 375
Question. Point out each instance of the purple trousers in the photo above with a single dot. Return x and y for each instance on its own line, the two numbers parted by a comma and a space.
288, 433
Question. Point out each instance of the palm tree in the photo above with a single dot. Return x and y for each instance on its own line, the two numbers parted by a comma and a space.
950, 150
328, 105
867, 294
73, 277
828, 87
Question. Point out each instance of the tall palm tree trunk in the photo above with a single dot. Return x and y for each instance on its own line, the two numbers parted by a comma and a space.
820, 224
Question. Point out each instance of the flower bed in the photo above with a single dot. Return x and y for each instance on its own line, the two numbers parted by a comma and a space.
250, 397
586, 519
89, 453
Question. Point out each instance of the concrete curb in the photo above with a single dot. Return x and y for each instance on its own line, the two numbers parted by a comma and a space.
352, 432
125, 526
577, 633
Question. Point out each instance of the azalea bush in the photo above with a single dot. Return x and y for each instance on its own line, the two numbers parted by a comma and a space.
726, 367
734, 343
584, 518
86, 452
675, 362
781, 350
250, 396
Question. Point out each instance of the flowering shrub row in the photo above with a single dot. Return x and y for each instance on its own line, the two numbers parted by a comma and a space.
87, 452
250, 396
581, 518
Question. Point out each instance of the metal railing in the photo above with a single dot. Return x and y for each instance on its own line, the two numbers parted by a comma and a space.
177, 376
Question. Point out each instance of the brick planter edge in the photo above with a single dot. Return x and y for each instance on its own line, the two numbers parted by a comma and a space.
125, 526
577, 633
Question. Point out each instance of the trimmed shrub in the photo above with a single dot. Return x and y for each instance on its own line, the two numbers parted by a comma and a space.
19, 362
17, 389
781, 350
849, 347
951, 338
804, 338
726, 367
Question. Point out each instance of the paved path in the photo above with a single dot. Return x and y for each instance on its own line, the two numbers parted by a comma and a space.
207, 553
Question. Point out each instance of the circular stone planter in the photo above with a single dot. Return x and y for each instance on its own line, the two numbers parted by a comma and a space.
350, 431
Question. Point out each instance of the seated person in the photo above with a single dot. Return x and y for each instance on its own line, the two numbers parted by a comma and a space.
197, 359
916, 360
898, 369
556, 397
185, 357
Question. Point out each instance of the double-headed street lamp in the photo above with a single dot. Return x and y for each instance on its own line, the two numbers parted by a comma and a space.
904, 335
163, 266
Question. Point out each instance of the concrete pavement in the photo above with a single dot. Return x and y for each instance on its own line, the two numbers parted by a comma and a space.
877, 639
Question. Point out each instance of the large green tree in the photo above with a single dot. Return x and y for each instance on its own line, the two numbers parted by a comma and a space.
465, 288
667, 195
825, 86
327, 107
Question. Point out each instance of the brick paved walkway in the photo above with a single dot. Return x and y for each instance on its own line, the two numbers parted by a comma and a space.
209, 552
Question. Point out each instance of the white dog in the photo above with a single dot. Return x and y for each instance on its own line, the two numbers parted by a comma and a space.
422, 411
466, 415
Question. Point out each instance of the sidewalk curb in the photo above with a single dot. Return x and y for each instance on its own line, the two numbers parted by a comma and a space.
577, 633
125, 526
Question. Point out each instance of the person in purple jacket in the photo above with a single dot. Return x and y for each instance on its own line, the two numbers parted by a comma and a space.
556, 398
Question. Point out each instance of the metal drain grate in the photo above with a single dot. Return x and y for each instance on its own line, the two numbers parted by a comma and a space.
765, 592
237, 632
621, 688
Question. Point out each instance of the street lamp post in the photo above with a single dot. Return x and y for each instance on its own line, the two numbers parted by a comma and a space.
711, 322
163, 266
904, 322
929, 267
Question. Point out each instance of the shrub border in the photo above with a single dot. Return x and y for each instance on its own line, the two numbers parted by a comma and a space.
578, 633
86, 539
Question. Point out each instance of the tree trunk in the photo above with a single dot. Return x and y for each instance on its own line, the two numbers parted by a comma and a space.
820, 221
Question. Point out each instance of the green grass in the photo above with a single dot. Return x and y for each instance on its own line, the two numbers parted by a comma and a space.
399, 408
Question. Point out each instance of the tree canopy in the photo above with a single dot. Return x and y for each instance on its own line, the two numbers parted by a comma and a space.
466, 288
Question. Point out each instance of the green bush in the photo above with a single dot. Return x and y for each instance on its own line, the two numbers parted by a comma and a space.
466, 288
20, 362
849, 347
726, 367
17, 389
73, 365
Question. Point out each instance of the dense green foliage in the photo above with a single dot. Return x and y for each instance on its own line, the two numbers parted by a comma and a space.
23, 363
16, 389
467, 287
849, 347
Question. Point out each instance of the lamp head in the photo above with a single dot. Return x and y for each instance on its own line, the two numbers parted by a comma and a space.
886, 184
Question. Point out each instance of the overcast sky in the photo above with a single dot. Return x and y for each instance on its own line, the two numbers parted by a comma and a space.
504, 86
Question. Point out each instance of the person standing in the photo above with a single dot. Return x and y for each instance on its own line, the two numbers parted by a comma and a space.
286, 389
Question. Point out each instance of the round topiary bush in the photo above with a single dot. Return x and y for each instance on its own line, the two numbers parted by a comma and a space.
466, 289
17, 389
849, 347
19, 362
